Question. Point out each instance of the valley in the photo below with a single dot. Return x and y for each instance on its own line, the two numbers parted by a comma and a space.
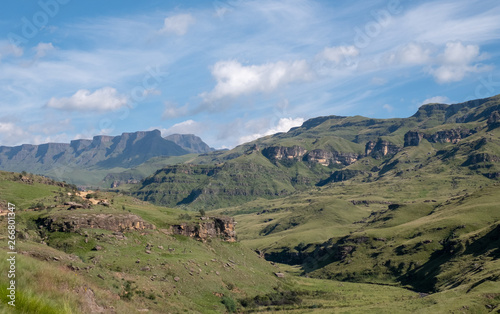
341, 214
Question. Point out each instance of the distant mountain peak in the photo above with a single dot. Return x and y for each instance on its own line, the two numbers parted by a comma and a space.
190, 142
104, 151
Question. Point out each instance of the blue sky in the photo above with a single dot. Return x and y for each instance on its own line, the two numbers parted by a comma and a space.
232, 71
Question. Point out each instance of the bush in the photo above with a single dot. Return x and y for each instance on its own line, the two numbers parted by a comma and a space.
184, 216
128, 291
229, 304
273, 299
39, 205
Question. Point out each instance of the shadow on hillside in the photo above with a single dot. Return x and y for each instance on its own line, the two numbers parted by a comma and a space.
425, 279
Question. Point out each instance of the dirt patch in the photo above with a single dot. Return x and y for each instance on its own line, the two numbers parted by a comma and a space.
83, 194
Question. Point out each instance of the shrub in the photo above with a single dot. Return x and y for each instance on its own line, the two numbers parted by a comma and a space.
128, 291
184, 216
229, 304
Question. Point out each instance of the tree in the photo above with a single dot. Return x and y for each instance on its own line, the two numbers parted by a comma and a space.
202, 212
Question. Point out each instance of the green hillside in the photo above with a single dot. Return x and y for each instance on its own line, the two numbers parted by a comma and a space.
97, 270
343, 214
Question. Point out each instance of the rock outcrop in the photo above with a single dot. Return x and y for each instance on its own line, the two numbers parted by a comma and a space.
327, 158
413, 138
493, 120
380, 148
479, 158
190, 142
212, 227
280, 152
112, 222
321, 156
339, 176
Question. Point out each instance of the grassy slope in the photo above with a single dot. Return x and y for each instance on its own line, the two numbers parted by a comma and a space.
104, 177
194, 292
440, 239
116, 262
236, 181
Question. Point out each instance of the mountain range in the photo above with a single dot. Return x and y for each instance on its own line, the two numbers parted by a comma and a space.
102, 152
327, 149
341, 214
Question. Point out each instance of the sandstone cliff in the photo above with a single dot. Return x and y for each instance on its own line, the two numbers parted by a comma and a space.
327, 158
413, 138
113, 222
280, 152
380, 148
209, 227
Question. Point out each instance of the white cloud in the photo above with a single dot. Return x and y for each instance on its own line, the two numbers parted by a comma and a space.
284, 125
388, 107
457, 53
440, 21
235, 79
11, 134
104, 99
7, 48
436, 100
456, 62
57, 138
172, 110
414, 53
42, 49
185, 127
338, 54
177, 24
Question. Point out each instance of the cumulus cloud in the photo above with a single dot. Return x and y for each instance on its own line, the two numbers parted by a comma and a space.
457, 61
338, 54
177, 24
185, 127
414, 53
42, 49
388, 107
410, 54
104, 99
284, 125
172, 110
7, 48
436, 100
11, 134
234, 79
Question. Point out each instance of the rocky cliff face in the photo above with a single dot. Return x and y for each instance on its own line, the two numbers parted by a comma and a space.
339, 176
481, 158
321, 156
413, 138
380, 149
280, 152
113, 222
493, 120
190, 142
210, 227
327, 158
126, 150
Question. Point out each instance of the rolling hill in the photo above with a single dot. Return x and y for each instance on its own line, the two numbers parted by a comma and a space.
342, 214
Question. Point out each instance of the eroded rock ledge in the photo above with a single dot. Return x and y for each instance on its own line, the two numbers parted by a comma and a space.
112, 222
208, 227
